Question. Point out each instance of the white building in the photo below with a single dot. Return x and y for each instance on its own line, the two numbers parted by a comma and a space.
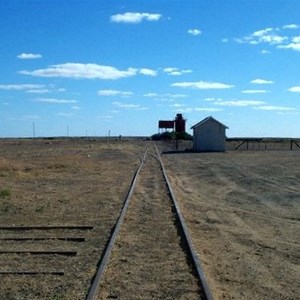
209, 135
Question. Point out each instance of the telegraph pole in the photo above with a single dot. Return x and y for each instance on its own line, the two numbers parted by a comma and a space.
33, 131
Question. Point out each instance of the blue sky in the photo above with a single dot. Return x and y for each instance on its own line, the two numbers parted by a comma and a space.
90, 67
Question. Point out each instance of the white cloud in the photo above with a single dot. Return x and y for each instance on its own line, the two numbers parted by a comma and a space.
151, 95
254, 91
212, 99
262, 32
202, 85
79, 71
54, 101
261, 81
170, 69
272, 108
147, 72
194, 32
177, 105
75, 107
239, 103
291, 26
134, 17
265, 51
176, 71
269, 35
29, 56
208, 109
126, 105
20, 87
183, 110
40, 91
296, 39
294, 89
293, 46
225, 40
114, 93
272, 37
32, 88
165, 97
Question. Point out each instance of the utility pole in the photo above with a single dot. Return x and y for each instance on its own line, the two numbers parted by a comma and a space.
33, 131
108, 136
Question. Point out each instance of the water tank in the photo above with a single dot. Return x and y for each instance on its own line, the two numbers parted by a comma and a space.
179, 123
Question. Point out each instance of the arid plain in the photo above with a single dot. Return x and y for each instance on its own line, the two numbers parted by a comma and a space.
242, 209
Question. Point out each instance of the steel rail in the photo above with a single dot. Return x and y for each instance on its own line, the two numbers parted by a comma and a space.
193, 254
93, 291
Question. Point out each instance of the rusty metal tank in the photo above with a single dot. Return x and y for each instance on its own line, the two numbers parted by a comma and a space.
179, 123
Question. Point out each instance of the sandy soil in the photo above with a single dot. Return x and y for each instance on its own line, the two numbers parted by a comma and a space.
148, 261
243, 212
60, 182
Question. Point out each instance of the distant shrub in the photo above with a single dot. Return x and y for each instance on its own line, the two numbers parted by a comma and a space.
171, 136
184, 136
4, 194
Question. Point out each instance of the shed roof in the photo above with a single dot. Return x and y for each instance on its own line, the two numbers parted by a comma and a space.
206, 120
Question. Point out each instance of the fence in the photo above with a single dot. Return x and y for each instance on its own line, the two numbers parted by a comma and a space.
256, 144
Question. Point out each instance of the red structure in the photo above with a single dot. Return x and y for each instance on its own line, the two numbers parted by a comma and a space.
178, 123
166, 124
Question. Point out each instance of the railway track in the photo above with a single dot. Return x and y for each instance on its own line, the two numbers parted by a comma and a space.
142, 253
150, 254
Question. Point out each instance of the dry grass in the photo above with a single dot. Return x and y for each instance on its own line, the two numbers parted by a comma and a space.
62, 182
242, 208
243, 211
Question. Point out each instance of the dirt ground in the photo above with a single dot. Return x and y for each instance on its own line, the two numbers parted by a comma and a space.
149, 261
242, 209
59, 182
243, 213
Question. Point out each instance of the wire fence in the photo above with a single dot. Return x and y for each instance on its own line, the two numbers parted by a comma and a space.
262, 144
